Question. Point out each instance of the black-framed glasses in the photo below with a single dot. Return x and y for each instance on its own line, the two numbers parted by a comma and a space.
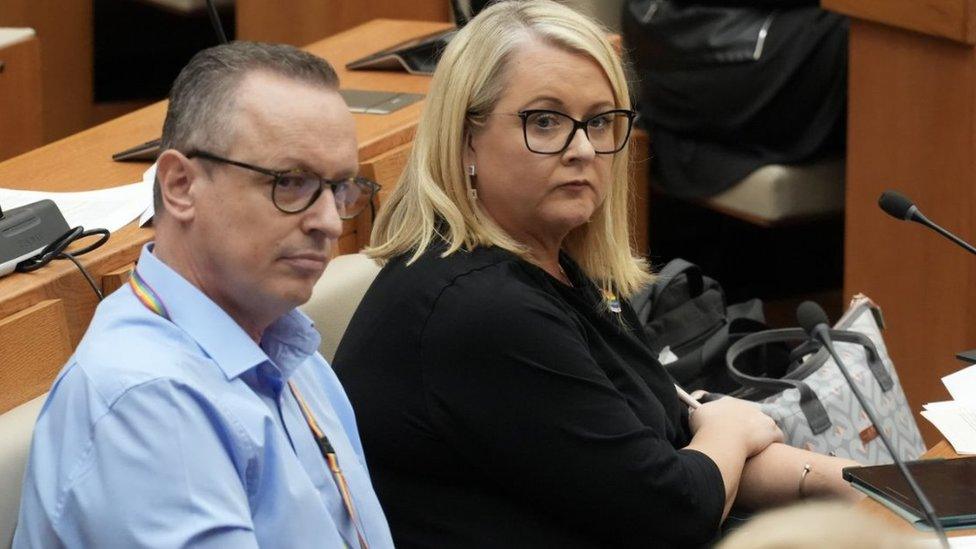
294, 191
551, 132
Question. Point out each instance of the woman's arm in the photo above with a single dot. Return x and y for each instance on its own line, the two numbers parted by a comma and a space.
773, 476
730, 431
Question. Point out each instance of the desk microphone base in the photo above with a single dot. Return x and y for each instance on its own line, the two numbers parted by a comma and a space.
27, 230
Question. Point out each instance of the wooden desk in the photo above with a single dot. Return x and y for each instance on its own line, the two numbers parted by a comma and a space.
44, 314
868, 505
300, 22
912, 127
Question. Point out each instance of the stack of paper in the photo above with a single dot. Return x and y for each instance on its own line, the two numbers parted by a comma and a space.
956, 419
110, 209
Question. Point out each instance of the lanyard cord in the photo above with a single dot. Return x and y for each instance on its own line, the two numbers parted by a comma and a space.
151, 301
328, 452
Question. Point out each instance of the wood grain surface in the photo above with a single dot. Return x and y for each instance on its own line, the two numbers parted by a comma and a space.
28, 373
952, 19
300, 22
21, 126
912, 128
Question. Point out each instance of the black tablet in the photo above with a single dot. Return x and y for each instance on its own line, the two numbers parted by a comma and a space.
416, 56
950, 485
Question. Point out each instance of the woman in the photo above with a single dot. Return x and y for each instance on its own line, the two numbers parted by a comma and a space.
503, 395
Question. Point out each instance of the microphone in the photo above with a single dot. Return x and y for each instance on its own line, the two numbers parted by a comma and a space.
215, 22
813, 320
901, 207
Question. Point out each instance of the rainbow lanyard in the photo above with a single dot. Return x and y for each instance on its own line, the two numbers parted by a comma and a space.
150, 299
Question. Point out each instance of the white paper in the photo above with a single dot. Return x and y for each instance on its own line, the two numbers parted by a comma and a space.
110, 209
945, 405
956, 422
963, 542
962, 384
148, 177
959, 542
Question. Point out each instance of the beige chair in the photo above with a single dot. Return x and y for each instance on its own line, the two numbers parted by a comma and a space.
777, 195
16, 427
336, 296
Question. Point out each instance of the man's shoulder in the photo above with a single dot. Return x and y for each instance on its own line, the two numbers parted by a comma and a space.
127, 345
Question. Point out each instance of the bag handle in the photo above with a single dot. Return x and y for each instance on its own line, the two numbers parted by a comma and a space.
820, 357
874, 358
813, 410
649, 296
671, 271
810, 405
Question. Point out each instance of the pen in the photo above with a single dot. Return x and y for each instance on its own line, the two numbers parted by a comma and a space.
686, 398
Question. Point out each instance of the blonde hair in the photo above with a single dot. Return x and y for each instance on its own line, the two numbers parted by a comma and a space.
813, 525
430, 201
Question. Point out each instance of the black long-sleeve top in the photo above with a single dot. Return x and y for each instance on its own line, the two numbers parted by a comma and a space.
500, 408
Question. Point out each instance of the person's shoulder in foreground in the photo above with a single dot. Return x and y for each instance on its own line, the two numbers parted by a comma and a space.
197, 411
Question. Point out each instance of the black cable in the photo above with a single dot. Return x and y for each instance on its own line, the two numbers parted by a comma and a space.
56, 250
215, 21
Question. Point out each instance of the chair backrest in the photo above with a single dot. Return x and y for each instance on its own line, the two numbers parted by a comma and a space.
336, 296
16, 427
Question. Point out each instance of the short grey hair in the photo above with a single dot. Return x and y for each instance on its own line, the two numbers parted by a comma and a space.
202, 102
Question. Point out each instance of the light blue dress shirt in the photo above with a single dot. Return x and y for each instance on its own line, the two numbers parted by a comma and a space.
182, 432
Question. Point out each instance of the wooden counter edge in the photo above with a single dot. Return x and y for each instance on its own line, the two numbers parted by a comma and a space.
951, 19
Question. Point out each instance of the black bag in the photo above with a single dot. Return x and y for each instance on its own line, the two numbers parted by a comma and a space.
686, 312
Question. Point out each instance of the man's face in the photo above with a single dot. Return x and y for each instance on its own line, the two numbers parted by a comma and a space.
252, 259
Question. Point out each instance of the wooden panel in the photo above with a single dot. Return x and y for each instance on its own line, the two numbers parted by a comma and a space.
385, 169
911, 128
114, 279
348, 244
21, 127
300, 22
35, 346
64, 28
953, 19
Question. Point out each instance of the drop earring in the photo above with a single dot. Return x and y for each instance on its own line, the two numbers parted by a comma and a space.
472, 192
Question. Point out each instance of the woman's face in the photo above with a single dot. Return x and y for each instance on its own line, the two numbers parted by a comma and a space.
539, 198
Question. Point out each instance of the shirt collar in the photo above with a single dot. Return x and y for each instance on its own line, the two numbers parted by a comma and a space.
286, 343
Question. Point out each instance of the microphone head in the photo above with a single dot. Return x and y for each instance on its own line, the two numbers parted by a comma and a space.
810, 315
896, 205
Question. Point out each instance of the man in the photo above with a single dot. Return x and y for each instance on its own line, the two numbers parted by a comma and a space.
196, 410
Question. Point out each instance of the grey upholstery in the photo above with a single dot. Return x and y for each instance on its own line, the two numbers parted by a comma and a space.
336, 296
16, 427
